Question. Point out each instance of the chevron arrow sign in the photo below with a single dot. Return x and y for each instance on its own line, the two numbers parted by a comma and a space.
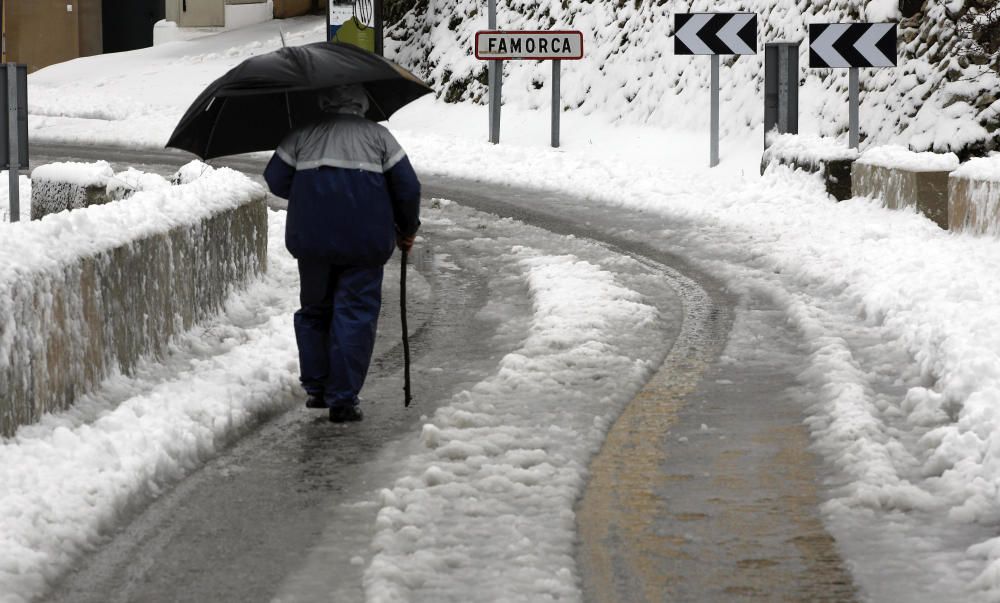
715, 33
852, 45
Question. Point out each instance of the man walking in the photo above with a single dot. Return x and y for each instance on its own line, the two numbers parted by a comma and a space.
352, 194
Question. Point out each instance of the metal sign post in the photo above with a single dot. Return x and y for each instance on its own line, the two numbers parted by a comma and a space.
555, 46
854, 92
14, 129
715, 34
852, 46
556, 101
12, 154
714, 144
495, 78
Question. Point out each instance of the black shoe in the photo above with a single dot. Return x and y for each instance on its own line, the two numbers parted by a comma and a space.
345, 414
315, 401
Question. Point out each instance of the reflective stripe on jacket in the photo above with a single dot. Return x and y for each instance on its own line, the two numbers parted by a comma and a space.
350, 189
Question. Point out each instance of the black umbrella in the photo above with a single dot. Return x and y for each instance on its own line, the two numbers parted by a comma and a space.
254, 105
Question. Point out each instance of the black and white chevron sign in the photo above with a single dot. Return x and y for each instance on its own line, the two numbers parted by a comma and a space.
852, 45
715, 33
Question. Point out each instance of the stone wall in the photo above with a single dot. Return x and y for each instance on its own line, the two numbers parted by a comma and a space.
974, 206
67, 330
927, 192
49, 197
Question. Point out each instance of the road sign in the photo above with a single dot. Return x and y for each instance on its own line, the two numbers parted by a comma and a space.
355, 33
364, 29
497, 46
843, 45
537, 45
715, 33
853, 46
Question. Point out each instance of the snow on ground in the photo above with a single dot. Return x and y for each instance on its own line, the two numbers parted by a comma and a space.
934, 99
65, 480
120, 445
24, 198
486, 506
897, 316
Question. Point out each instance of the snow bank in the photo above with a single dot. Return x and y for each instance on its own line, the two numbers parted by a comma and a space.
900, 158
75, 173
131, 181
24, 199
85, 293
830, 157
72, 185
487, 505
809, 149
986, 169
898, 317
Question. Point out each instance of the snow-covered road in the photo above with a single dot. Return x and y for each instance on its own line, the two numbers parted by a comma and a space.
890, 321
294, 516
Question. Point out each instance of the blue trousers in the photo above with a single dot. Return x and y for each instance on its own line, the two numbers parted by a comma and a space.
335, 328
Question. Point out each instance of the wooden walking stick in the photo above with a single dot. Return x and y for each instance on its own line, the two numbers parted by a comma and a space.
406, 334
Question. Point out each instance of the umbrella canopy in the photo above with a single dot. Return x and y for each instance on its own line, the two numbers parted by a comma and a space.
254, 105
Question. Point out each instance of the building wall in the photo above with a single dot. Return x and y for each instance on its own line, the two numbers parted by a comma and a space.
200, 13
43, 32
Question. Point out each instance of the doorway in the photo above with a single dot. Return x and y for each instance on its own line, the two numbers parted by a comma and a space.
128, 24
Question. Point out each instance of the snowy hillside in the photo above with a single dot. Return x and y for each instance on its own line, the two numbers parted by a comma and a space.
934, 100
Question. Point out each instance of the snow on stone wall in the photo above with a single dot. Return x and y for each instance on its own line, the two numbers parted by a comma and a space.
934, 100
57, 187
86, 293
974, 192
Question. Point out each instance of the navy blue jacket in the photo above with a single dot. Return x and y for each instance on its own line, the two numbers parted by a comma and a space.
350, 190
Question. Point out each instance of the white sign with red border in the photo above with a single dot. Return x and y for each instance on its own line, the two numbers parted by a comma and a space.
531, 45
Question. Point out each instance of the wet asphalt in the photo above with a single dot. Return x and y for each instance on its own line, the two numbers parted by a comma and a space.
705, 489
